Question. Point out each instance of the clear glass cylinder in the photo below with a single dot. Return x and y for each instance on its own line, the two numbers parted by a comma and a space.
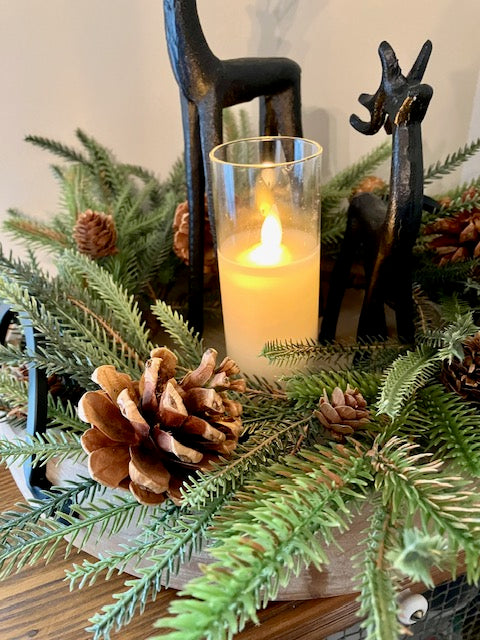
266, 194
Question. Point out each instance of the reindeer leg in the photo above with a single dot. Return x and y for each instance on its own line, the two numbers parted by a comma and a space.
268, 125
373, 212
196, 204
338, 284
404, 307
357, 233
211, 132
286, 107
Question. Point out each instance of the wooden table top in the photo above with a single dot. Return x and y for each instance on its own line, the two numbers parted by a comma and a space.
36, 603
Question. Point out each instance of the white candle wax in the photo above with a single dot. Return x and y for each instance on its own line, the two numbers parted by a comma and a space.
268, 298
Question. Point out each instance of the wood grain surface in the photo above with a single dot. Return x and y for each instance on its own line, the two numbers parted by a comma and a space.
36, 603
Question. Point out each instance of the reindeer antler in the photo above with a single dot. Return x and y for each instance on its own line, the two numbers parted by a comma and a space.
418, 68
392, 78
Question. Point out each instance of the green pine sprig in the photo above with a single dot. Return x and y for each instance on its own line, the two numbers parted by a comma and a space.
452, 161
54, 443
263, 541
55, 501
124, 314
171, 545
412, 482
289, 352
418, 552
378, 599
189, 344
408, 373
448, 426
266, 443
306, 389
41, 538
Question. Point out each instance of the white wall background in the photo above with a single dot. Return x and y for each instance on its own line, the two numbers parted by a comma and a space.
102, 65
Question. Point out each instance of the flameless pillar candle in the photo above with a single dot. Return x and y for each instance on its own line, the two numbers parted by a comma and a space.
267, 199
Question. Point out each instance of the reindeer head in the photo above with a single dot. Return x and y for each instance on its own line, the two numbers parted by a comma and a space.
399, 100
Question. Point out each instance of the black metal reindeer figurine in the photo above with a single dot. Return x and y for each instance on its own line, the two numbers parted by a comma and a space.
386, 233
208, 85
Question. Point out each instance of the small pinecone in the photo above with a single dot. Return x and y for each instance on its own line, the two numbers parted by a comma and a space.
150, 436
370, 184
95, 234
457, 238
181, 238
463, 376
344, 413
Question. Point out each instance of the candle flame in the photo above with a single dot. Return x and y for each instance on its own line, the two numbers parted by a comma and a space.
271, 233
269, 251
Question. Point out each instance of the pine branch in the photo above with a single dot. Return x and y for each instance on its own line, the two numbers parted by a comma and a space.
306, 389
428, 313
56, 501
464, 197
263, 541
342, 183
34, 233
437, 281
451, 162
62, 414
112, 562
75, 196
123, 308
109, 177
449, 340
70, 346
453, 427
408, 373
67, 153
266, 444
288, 352
418, 553
178, 541
188, 342
114, 322
41, 447
413, 483
13, 392
41, 539
378, 594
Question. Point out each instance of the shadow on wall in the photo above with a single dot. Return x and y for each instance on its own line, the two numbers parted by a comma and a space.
319, 125
279, 26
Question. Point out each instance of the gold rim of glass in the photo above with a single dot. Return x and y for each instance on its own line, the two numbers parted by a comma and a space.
252, 165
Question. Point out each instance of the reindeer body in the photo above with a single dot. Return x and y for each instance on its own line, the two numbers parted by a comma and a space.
208, 85
386, 233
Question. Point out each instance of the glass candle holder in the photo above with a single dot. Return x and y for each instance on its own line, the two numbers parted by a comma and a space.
266, 194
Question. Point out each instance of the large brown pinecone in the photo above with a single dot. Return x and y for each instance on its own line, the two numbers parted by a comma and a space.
344, 413
150, 436
181, 238
457, 238
95, 234
463, 376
